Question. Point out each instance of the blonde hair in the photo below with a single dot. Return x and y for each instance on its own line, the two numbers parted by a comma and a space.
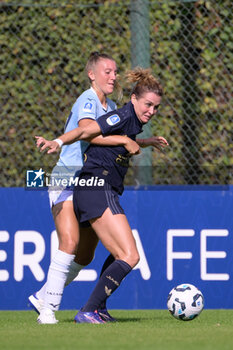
144, 82
94, 59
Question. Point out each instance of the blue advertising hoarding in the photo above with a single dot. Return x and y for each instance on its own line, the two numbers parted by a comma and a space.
183, 234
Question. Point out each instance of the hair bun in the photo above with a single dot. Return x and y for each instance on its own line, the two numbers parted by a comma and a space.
94, 53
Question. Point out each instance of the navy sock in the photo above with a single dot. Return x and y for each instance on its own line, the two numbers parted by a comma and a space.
107, 284
106, 264
109, 260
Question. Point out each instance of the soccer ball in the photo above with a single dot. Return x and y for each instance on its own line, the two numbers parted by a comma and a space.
185, 302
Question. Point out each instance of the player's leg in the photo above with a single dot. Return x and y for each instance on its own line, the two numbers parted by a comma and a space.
66, 226
68, 236
85, 254
67, 230
102, 310
116, 235
86, 247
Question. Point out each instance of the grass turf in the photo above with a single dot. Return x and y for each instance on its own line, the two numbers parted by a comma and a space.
138, 330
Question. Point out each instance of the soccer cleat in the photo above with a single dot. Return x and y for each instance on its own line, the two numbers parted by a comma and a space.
47, 316
104, 314
88, 317
35, 303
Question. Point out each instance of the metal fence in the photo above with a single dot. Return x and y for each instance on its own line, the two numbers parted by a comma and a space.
188, 44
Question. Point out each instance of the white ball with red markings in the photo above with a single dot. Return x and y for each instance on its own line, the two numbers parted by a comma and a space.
185, 302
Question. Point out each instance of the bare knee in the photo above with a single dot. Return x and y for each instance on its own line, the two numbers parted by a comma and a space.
68, 244
132, 258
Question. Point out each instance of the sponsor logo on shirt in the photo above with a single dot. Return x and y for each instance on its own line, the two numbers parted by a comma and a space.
87, 107
113, 119
123, 160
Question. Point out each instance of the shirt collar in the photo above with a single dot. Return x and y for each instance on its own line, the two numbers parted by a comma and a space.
93, 90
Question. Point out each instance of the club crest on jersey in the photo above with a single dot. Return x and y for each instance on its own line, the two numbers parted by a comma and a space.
113, 119
87, 107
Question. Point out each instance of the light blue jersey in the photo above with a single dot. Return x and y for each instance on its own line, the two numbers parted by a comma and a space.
87, 106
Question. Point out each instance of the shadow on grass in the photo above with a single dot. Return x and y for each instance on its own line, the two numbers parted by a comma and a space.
68, 320
121, 319
139, 319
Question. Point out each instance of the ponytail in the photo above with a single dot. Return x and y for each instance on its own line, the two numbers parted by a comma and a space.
144, 82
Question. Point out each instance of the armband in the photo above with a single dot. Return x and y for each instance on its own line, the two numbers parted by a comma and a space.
59, 141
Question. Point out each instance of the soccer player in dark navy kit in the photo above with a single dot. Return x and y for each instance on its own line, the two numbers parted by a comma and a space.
106, 167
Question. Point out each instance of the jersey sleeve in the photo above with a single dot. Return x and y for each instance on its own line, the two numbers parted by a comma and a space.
112, 123
86, 110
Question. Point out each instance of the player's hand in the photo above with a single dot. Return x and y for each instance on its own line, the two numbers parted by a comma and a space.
158, 142
132, 147
44, 144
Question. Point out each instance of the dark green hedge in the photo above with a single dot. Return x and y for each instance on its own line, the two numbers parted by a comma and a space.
44, 47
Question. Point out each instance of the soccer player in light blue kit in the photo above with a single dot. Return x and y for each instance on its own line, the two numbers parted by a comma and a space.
68, 260
87, 106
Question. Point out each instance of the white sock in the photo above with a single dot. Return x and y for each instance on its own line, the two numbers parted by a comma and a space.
75, 268
57, 276
41, 293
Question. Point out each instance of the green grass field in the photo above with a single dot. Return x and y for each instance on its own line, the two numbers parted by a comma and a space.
138, 329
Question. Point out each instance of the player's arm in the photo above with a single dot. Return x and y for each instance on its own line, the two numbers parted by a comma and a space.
69, 137
158, 142
111, 140
87, 132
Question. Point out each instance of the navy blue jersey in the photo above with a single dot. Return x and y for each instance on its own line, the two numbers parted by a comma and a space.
111, 163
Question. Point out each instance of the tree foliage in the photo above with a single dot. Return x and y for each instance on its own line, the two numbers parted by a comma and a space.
44, 48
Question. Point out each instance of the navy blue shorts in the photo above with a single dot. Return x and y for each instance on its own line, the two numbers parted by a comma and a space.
91, 202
